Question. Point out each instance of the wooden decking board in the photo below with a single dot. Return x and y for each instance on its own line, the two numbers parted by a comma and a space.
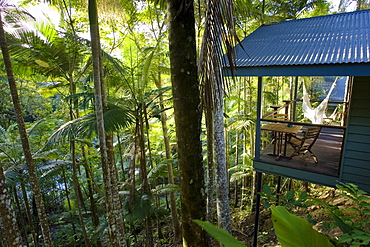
327, 149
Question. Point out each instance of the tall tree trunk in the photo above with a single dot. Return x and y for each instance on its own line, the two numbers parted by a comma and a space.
132, 179
210, 163
29, 215
236, 184
114, 207
66, 188
144, 173
94, 210
73, 114
19, 208
76, 186
223, 207
3, 240
121, 157
7, 214
175, 219
186, 99
24, 138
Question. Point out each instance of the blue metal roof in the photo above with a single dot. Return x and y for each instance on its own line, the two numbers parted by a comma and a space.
325, 41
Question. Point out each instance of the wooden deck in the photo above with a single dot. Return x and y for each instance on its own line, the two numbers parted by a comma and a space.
327, 149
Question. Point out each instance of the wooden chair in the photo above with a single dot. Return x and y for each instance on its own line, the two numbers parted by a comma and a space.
279, 116
303, 145
282, 117
327, 121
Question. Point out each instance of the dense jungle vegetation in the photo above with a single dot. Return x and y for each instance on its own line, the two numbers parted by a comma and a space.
89, 149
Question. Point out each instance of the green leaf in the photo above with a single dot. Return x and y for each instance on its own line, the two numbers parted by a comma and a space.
342, 225
237, 176
303, 196
295, 231
221, 235
312, 221
290, 195
165, 189
326, 225
345, 238
266, 189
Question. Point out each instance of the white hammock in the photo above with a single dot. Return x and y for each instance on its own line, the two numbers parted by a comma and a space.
316, 115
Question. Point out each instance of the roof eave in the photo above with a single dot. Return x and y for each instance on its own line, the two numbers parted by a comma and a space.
360, 69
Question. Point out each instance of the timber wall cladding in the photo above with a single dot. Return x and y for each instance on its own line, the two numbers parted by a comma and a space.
356, 163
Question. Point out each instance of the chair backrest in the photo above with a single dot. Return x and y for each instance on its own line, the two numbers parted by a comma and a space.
280, 116
312, 133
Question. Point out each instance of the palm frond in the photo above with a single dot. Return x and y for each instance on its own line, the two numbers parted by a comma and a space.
43, 154
115, 118
12, 177
85, 99
100, 230
65, 131
157, 171
14, 15
219, 37
162, 4
150, 96
120, 68
36, 125
141, 207
48, 52
3, 133
6, 151
165, 189
52, 168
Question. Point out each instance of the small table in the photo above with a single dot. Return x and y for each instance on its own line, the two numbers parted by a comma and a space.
279, 130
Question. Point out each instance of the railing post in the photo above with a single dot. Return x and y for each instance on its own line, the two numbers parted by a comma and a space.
258, 119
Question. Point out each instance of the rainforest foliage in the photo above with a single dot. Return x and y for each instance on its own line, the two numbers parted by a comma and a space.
88, 142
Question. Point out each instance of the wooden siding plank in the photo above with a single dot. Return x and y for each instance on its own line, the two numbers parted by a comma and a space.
360, 103
362, 147
357, 129
357, 155
356, 179
358, 138
361, 121
359, 112
355, 171
361, 83
356, 163
362, 94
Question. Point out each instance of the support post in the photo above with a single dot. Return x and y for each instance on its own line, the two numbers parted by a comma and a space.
257, 215
278, 189
258, 119
294, 98
257, 156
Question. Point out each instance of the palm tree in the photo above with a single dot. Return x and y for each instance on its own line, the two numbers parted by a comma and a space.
219, 32
7, 214
24, 138
113, 202
175, 220
61, 60
13, 162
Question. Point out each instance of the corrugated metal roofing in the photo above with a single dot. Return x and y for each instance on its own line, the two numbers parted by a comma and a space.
331, 39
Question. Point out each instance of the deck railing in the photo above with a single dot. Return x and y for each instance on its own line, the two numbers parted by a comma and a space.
289, 109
